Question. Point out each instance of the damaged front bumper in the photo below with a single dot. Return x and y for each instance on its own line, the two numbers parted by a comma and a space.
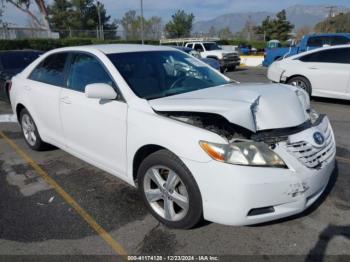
243, 195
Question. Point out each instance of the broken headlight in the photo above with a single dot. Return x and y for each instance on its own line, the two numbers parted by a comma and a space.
243, 153
313, 115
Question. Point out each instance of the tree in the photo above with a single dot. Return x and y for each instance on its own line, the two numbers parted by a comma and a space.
180, 25
337, 24
61, 16
68, 15
153, 28
277, 28
131, 24
24, 6
225, 33
212, 31
305, 30
1, 14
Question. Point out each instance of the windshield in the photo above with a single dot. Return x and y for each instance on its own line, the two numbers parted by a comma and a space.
211, 46
156, 74
17, 60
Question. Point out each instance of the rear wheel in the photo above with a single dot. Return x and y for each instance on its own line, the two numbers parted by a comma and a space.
169, 190
301, 82
30, 132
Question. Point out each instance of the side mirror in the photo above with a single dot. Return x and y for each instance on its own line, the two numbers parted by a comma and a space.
100, 91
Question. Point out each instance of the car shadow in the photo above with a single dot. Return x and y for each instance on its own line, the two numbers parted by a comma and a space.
318, 252
313, 207
331, 100
237, 69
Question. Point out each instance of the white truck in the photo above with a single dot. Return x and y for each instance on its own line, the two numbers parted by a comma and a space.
208, 49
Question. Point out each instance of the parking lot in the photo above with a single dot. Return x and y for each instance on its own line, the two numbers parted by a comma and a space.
55, 204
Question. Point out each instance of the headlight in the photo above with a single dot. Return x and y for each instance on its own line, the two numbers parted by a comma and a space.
313, 115
243, 153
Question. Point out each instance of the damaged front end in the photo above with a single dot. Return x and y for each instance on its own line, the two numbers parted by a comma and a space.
244, 147
256, 121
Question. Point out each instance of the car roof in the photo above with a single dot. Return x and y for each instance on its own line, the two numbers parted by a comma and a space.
183, 48
116, 48
318, 49
329, 34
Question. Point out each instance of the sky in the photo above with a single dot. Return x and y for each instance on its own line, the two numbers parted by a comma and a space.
202, 9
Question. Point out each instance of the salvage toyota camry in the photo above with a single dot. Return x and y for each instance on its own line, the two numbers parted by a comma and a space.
194, 143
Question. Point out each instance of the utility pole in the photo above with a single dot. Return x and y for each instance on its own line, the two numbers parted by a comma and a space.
100, 26
331, 8
142, 36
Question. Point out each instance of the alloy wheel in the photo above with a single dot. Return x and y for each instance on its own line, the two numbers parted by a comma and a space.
29, 129
299, 83
166, 193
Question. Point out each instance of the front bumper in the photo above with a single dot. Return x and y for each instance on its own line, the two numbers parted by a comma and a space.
230, 62
231, 192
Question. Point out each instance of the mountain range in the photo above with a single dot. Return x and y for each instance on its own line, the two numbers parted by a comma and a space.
299, 15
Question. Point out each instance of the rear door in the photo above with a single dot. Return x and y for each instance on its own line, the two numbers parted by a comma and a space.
43, 88
328, 71
94, 129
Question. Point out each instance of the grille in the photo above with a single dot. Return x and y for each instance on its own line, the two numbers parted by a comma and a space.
312, 156
231, 56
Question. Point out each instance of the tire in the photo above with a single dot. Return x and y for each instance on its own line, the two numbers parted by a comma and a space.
301, 82
30, 132
232, 68
7, 95
172, 184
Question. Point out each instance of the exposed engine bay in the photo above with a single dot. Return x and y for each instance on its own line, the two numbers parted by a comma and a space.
221, 126
212, 122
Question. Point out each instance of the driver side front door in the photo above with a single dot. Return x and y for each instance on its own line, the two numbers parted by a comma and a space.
94, 129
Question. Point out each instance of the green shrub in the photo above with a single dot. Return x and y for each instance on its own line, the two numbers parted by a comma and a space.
48, 44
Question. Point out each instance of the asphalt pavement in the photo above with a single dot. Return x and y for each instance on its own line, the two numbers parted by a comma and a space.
37, 218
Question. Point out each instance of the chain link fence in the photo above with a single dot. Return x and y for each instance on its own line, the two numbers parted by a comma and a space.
13, 33
25, 33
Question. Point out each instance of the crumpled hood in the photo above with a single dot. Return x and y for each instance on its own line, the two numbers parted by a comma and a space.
252, 106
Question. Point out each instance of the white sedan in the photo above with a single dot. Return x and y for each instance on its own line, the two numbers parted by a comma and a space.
195, 144
323, 72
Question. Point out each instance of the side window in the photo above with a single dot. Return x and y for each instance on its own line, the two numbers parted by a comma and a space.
337, 55
190, 45
315, 42
198, 47
51, 70
339, 40
84, 70
310, 58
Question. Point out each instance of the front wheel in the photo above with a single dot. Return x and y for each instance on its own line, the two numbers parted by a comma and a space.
169, 190
301, 82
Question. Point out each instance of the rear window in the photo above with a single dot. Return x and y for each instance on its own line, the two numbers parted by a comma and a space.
336, 55
18, 60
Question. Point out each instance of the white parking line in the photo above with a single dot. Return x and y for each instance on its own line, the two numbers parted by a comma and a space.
8, 118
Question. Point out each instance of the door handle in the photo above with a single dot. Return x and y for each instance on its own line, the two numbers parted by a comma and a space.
65, 100
313, 68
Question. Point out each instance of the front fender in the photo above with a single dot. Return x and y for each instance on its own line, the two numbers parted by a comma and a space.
145, 128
